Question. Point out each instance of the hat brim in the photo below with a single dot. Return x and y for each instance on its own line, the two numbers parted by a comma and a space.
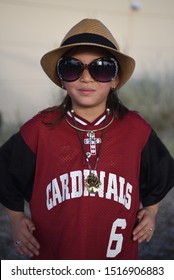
50, 59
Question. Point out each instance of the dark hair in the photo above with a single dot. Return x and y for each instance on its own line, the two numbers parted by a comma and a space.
113, 103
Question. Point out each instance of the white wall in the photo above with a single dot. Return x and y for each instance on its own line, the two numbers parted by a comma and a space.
29, 28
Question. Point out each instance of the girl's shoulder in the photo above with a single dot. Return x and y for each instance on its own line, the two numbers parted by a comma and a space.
136, 120
43, 118
137, 127
36, 126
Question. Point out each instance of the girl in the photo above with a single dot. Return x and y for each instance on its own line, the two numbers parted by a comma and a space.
92, 171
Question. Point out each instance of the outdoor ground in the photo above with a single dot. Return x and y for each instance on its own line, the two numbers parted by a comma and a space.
161, 246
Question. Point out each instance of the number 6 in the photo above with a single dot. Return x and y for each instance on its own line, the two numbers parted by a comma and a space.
118, 237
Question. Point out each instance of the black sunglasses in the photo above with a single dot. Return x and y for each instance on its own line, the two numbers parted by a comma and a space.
103, 70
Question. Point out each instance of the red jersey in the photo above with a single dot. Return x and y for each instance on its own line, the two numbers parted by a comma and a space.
72, 223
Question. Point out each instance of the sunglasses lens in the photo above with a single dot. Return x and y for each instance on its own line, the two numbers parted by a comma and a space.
103, 69
69, 69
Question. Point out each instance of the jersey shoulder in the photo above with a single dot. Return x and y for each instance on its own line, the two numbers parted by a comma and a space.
137, 122
42, 121
137, 126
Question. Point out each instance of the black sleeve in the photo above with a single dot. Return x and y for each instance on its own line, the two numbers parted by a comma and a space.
156, 172
17, 168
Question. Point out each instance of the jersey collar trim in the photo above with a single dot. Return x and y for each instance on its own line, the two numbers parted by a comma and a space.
82, 122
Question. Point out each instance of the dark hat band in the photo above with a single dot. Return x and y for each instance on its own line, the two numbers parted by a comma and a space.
88, 38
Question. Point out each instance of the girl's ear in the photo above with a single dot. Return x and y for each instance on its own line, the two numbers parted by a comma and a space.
115, 82
63, 85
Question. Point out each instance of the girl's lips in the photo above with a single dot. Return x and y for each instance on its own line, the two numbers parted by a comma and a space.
86, 90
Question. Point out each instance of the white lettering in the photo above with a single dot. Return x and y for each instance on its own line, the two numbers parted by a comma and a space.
128, 197
85, 173
71, 186
65, 188
101, 189
76, 179
48, 200
121, 194
112, 187
53, 189
56, 192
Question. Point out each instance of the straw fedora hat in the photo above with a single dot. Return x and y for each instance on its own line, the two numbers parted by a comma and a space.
88, 32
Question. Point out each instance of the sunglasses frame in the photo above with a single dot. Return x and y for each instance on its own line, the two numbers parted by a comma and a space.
87, 66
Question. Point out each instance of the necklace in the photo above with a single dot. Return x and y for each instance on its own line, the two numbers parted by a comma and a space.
87, 130
92, 182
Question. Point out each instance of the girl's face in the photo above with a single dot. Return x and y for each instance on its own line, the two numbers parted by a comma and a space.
86, 92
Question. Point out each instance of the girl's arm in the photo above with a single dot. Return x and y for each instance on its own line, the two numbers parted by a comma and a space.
146, 223
22, 231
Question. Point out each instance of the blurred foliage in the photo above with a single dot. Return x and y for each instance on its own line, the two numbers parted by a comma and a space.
153, 99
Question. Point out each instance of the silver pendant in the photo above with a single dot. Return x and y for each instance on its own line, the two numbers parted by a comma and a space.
92, 142
91, 134
92, 183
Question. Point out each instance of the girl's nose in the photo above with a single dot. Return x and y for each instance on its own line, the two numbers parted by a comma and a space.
85, 76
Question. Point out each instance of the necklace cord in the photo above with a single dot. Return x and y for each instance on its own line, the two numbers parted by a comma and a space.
78, 130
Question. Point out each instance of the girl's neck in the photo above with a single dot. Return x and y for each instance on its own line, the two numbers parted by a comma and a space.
89, 114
